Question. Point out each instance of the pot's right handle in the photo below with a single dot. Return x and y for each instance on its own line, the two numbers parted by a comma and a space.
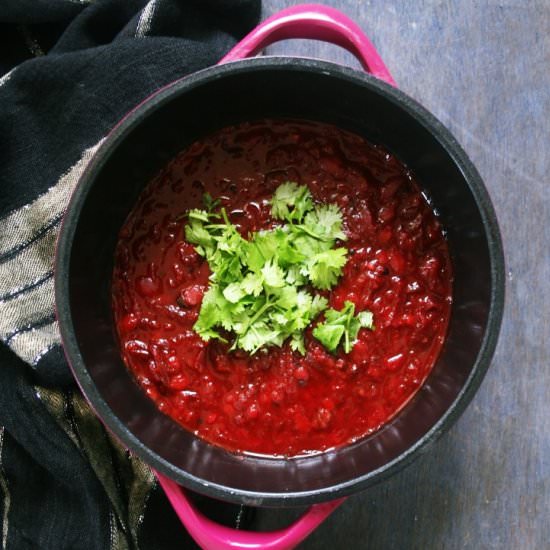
213, 536
318, 23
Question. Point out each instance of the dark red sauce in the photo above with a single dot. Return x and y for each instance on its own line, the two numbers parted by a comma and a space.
279, 402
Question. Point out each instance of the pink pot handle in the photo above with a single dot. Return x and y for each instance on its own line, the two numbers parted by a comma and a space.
212, 536
318, 23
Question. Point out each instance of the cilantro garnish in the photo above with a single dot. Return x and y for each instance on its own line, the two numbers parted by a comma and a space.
291, 201
342, 324
258, 294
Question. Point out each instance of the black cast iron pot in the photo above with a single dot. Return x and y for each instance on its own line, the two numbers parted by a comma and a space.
247, 90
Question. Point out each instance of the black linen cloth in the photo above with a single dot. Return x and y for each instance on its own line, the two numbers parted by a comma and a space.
69, 70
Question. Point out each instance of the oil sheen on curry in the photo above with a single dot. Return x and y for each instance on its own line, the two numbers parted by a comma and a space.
305, 356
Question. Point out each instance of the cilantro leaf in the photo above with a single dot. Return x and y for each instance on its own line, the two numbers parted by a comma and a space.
342, 324
325, 222
329, 335
318, 304
325, 267
366, 319
297, 342
199, 215
253, 283
273, 275
291, 201
234, 292
209, 202
257, 336
195, 233
213, 313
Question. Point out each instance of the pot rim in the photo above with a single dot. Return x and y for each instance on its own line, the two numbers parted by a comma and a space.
109, 145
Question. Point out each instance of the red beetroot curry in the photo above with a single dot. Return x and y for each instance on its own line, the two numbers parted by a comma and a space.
278, 402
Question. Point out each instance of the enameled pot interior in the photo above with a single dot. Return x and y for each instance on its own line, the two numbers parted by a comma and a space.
143, 144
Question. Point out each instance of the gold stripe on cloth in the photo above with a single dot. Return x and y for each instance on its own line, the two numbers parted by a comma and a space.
126, 479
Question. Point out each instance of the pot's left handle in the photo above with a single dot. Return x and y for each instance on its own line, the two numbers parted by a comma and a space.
212, 536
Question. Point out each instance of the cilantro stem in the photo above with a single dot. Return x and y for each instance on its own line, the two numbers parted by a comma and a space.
224, 215
259, 313
349, 317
